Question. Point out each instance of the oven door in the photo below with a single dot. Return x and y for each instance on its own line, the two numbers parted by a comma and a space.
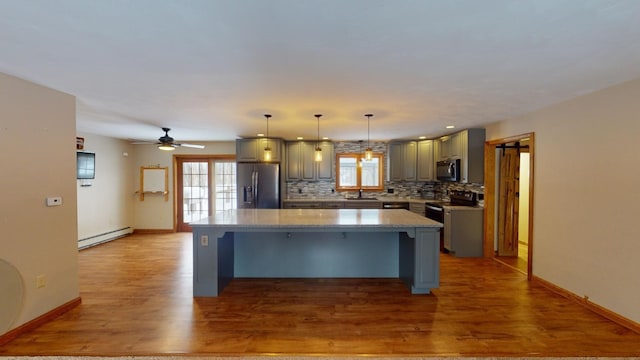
434, 212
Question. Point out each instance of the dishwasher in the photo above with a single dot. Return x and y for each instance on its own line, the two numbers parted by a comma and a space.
388, 205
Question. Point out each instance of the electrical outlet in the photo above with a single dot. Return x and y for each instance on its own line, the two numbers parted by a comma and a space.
204, 240
54, 201
41, 281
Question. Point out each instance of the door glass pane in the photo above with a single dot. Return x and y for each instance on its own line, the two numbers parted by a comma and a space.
195, 191
225, 186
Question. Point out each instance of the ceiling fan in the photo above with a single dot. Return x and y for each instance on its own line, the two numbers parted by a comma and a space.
167, 143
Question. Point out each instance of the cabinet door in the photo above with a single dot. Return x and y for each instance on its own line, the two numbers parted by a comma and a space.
417, 208
402, 161
308, 165
325, 167
410, 152
455, 150
274, 144
447, 230
246, 150
425, 160
395, 162
294, 159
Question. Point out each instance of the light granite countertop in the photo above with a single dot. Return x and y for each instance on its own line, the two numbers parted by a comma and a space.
342, 199
317, 218
383, 200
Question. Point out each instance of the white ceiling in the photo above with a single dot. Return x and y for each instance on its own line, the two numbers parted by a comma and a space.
210, 69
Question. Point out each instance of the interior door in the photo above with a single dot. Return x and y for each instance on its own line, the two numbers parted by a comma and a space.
508, 201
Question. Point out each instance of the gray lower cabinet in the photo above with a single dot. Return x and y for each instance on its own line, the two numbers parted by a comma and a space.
417, 208
252, 150
333, 205
313, 204
463, 232
302, 205
301, 165
362, 204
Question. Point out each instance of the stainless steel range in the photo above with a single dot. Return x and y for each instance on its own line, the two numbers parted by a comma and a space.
441, 211
434, 209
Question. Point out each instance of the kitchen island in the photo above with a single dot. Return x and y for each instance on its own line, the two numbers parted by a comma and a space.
315, 243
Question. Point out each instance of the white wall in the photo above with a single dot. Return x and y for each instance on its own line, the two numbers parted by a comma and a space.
154, 213
105, 209
586, 198
523, 198
38, 160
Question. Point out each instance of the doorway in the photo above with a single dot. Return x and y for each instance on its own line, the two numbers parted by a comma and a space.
509, 201
204, 185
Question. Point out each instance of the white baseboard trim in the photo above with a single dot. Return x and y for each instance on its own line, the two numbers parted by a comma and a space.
104, 237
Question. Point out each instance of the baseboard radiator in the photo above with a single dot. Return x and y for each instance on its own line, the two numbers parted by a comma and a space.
104, 237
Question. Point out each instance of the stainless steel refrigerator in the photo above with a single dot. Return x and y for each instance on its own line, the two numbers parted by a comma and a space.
258, 185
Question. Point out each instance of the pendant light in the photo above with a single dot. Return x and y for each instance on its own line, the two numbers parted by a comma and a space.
267, 150
318, 154
368, 152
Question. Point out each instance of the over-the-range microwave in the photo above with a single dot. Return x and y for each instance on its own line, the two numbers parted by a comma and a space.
448, 170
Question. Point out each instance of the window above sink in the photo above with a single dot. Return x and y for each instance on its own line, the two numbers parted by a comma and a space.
353, 173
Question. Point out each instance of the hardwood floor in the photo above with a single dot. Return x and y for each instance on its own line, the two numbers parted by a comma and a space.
137, 300
519, 262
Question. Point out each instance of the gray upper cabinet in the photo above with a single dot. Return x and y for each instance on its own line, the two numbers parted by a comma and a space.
301, 164
425, 161
252, 150
471, 142
403, 161
468, 146
448, 147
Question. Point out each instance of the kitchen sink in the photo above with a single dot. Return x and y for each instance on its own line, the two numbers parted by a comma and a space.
363, 198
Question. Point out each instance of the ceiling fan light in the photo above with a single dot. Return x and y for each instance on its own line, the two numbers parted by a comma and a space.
166, 147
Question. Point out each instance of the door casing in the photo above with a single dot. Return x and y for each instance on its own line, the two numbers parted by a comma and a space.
490, 195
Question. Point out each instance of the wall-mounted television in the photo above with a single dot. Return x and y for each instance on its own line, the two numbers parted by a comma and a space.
86, 168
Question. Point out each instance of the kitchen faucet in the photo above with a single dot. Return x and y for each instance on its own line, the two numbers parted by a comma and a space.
360, 193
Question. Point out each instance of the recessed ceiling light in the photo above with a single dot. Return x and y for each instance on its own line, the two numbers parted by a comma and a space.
325, 138
260, 134
450, 126
422, 137
300, 138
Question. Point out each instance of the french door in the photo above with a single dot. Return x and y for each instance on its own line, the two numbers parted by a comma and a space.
204, 185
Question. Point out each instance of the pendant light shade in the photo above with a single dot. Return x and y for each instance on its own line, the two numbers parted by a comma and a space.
267, 150
368, 152
318, 154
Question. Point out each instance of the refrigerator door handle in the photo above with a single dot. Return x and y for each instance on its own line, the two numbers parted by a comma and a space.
255, 187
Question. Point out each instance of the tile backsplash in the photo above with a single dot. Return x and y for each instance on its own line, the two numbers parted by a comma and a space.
401, 189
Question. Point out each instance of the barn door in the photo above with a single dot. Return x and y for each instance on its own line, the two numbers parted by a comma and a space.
508, 200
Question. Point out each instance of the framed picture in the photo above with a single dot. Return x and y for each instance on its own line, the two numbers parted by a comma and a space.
79, 143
